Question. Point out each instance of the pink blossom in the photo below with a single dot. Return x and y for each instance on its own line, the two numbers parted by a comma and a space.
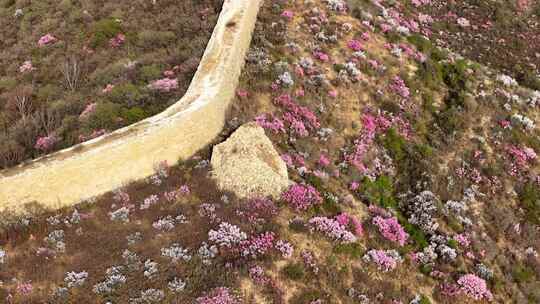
47, 39
398, 86
242, 93
24, 288
321, 56
169, 73
108, 88
164, 85
474, 287
355, 45
299, 93
462, 239
385, 260
391, 229
333, 93
287, 14
258, 245
324, 161
26, 67
256, 273
332, 229
88, 110
285, 248
46, 143
220, 295
301, 197
117, 40
354, 186
275, 124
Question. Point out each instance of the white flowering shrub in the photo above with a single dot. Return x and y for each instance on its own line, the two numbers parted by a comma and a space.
227, 235
176, 253
114, 278
177, 285
75, 279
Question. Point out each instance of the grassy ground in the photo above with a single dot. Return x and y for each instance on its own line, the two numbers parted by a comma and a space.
96, 74
370, 150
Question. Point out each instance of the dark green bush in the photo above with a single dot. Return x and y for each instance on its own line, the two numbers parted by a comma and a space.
103, 30
133, 115
105, 116
380, 191
294, 271
529, 197
152, 39
354, 250
127, 93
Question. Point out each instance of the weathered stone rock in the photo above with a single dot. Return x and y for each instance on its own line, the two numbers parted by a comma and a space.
248, 165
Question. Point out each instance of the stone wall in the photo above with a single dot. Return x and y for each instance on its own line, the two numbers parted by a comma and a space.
108, 162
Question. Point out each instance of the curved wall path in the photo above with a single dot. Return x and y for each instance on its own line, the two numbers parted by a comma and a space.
108, 162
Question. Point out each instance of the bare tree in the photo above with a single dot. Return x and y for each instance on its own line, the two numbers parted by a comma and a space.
19, 102
47, 119
71, 69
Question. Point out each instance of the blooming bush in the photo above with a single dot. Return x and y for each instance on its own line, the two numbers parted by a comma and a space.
75, 279
220, 295
117, 41
355, 45
227, 235
399, 87
164, 85
301, 197
285, 248
46, 143
46, 40
474, 287
391, 229
386, 260
26, 67
257, 245
332, 229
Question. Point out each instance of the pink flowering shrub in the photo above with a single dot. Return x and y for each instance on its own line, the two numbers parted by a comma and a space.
164, 85
287, 14
258, 210
227, 235
24, 288
46, 143
309, 261
372, 126
391, 229
108, 88
351, 221
26, 67
88, 110
521, 158
285, 248
301, 119
220, 295
355, 45
385, 260
332, 229
474, 287
274, 124
46, 39
399, 87
256, 273
321, 56
301, 197
258, 245
117, 40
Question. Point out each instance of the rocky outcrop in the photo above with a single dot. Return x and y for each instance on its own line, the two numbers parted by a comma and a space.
248, 165
108, 162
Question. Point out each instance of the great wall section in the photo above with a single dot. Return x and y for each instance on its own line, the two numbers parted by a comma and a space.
103, 164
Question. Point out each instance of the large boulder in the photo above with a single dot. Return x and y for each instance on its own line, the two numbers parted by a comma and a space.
248, 165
